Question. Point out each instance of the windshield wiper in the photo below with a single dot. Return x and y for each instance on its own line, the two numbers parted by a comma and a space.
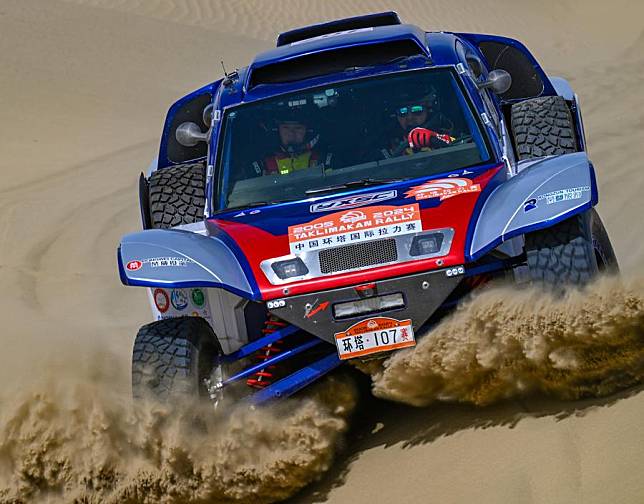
354, 183
252, 205
397, 59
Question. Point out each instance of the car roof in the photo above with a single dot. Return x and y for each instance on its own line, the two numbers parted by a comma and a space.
342, 39
433, 47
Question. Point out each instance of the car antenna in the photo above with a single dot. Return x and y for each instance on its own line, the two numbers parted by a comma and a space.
228, 77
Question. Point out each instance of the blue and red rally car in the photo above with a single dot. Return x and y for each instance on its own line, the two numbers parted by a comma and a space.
345, 190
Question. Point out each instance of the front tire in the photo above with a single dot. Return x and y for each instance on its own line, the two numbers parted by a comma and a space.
572, 252
172, 358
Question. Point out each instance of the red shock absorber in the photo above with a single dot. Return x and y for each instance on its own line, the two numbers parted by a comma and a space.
478, 281
264, 377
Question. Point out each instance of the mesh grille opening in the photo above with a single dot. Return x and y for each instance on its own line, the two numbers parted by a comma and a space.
358, 255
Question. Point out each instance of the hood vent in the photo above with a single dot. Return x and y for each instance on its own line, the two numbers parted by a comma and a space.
352, 23
333, 61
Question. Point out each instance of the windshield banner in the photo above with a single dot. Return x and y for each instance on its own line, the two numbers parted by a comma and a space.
354, 226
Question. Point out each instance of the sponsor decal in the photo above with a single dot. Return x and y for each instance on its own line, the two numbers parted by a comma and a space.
174, 315
373, 335
161, 300
157, 262
465, 172
133, 265
310, 310
342, 228
460, 270
278, 303
179, 299
571, 193
252, 212
198, 297
353, 201
353, 216
167, 262
443, 189
530, 204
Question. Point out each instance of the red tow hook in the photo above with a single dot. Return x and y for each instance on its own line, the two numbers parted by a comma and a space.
366, 290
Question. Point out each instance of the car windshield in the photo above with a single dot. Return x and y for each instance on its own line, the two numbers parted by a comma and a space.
337, 137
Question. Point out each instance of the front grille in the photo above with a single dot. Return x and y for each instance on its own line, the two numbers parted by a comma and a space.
359, 255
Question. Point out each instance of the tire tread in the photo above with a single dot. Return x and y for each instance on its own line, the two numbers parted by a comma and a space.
165, 357
562, 254
543, 127
177, 195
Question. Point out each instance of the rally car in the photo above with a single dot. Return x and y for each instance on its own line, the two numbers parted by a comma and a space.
341, 193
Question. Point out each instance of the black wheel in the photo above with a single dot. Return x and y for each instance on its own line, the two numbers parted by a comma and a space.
177, 195
172, 358
572, 252
543, 127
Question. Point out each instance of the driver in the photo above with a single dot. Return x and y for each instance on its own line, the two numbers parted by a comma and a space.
420, 127
294, 151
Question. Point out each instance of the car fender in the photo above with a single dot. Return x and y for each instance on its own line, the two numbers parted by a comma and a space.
177, 258
545, 191
152, 167
563, 88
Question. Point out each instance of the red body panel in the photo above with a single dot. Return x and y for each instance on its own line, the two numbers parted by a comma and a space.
454, 211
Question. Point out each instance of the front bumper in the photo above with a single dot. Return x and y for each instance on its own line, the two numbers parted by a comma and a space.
423, 293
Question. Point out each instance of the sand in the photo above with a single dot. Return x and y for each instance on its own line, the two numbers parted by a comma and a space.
84, 87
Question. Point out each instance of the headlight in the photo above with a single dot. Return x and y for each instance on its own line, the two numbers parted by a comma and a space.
368, 305
427, 244
289, 268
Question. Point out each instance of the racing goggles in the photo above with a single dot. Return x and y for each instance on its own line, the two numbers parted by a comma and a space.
414, 110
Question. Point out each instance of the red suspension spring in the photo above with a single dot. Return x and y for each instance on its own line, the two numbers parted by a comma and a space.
264, 377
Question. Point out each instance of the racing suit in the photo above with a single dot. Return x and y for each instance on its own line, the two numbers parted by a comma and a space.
283, 163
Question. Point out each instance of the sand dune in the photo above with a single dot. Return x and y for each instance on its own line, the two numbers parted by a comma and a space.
84, 87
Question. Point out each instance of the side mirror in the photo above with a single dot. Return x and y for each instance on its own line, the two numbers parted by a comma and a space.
206, 117
499, 81
189, 134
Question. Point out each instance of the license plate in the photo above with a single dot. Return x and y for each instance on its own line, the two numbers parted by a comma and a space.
378, 334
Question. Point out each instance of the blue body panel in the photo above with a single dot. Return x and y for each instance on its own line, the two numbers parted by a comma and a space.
548, 191
162, 160
175, 258
477, 38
